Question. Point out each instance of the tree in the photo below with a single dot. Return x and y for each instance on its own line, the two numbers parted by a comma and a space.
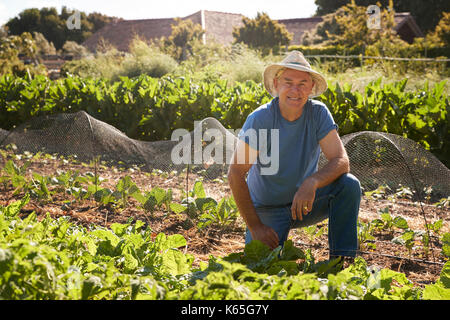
54, 26
43, 47
321, 33
10, 49
74, 49
262, 33
442, 32
348, 27
180, 43
28, 21
426, 13
98, 20
85, 30
328, 6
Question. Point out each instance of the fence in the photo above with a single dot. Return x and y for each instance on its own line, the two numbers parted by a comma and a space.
363, 57
440, 64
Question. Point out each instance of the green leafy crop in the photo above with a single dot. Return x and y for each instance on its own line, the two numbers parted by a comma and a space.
56, 259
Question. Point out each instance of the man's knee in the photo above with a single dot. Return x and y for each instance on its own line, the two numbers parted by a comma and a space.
351, 185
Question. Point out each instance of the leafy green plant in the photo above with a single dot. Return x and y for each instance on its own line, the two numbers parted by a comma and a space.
440, 290
446, 244
125, 188
436, 226
443, 203
147, 201
313, 232
156, 198
407, 239
133, 106
16, 175
404, 192
391, 108
387, 222
400, 223
167, 200
73, 183
365, 237
208, 211
259, 258
378, 193
106, 196
39, 187
64, 180
223, 214
56, 259
426, 244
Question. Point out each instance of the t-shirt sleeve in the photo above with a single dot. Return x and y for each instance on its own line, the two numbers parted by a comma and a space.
325, 122
249, 131
255, 131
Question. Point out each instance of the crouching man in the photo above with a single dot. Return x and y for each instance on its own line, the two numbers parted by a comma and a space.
290, 191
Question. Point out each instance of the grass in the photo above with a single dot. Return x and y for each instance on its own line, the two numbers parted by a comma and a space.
239, 63
359, 77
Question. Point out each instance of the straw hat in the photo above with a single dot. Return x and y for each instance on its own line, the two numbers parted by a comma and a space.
295, 60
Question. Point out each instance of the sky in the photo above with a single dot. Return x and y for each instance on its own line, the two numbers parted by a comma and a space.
140, 9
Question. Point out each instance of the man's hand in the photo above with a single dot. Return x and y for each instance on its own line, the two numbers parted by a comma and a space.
304, 199
338, 164
266, 235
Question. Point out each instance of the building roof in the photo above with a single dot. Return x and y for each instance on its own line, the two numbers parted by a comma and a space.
406, 26
119, 33
298, 26
218, 26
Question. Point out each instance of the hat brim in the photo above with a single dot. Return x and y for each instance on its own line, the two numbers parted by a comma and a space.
320, 84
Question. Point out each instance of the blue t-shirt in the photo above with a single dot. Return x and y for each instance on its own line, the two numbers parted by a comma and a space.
298, 150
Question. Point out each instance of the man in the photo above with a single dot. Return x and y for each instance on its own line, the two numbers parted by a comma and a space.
297, 194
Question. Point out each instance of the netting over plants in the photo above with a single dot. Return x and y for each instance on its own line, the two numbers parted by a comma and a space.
376, 158
384, 159
379, 158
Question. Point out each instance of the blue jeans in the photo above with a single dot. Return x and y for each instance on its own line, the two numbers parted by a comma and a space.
338, 202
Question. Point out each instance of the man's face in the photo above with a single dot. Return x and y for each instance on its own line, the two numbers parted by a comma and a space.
294, 88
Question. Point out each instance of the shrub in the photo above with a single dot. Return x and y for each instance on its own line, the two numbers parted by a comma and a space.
102, 65
111, 64
243, 64
145, 59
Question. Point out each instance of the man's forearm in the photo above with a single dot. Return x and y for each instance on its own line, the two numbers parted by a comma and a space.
330, 172
241, 194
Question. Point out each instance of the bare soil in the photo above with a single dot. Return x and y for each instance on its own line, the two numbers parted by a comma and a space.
419, 266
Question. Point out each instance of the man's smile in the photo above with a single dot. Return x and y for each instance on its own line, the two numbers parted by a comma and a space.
295, 99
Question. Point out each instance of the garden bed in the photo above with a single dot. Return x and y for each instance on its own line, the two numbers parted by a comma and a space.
421, 264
